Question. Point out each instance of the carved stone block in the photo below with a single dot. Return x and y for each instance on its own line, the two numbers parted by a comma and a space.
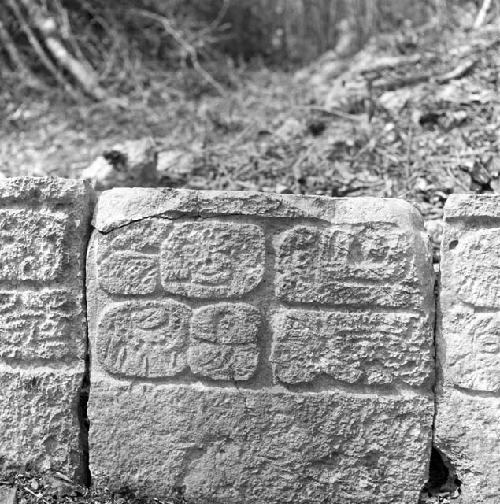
255, 348
468, 345
44, 224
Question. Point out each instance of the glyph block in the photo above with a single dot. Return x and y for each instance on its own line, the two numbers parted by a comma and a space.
255, 348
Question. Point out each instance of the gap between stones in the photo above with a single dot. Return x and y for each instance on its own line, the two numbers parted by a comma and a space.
442, 475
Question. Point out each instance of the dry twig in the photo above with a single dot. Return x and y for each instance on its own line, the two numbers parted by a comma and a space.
186, 46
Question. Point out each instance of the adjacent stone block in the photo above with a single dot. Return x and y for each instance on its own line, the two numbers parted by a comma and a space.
255, 348
43, 229
468, 345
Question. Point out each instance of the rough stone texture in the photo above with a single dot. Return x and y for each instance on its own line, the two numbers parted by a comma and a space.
361, 347
8, 494
44, 224
468, 346
227, 331
212, 260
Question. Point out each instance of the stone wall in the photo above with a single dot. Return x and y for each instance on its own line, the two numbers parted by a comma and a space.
244, 347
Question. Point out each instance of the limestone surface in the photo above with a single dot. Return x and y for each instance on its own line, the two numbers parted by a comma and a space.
44, 224
255, 348
468, 345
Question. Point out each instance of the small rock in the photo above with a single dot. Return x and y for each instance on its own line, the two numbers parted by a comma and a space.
290, 129
8, 494
130, 164
175, 164
57, 485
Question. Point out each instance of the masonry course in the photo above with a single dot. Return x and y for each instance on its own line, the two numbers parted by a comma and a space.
256, 348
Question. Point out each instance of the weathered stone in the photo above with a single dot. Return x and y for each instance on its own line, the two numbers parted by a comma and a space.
468, 346
361, 347
224, 341
468, 433
41, 324
212, 259
8, 494
204, 382
147, 339
32, 244
43, 229
39, 420
356, 263
242, 446
129, 273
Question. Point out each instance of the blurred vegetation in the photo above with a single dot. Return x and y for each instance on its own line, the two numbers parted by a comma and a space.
118, 43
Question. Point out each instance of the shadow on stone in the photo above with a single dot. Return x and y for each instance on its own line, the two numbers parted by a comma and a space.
84, 425
443, 480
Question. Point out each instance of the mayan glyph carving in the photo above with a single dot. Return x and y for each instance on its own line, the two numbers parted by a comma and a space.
468, 345
224, 341
144, 339
212, 259
260, 346
360, 347
43, 229
344, 264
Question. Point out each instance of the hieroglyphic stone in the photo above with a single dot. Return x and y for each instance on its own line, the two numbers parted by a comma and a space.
468, 345
32, 243
354, 347
44, 224
38, 324
212, 259
243, 419
358, 263
224, 341
147, 338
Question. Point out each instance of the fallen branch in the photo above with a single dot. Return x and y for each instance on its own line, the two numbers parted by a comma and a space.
481, 16
84, 75
458, 72
11, 49
39, 50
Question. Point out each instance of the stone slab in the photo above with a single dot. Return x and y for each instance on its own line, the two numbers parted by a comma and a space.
44, 225
468, 345
226, 331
